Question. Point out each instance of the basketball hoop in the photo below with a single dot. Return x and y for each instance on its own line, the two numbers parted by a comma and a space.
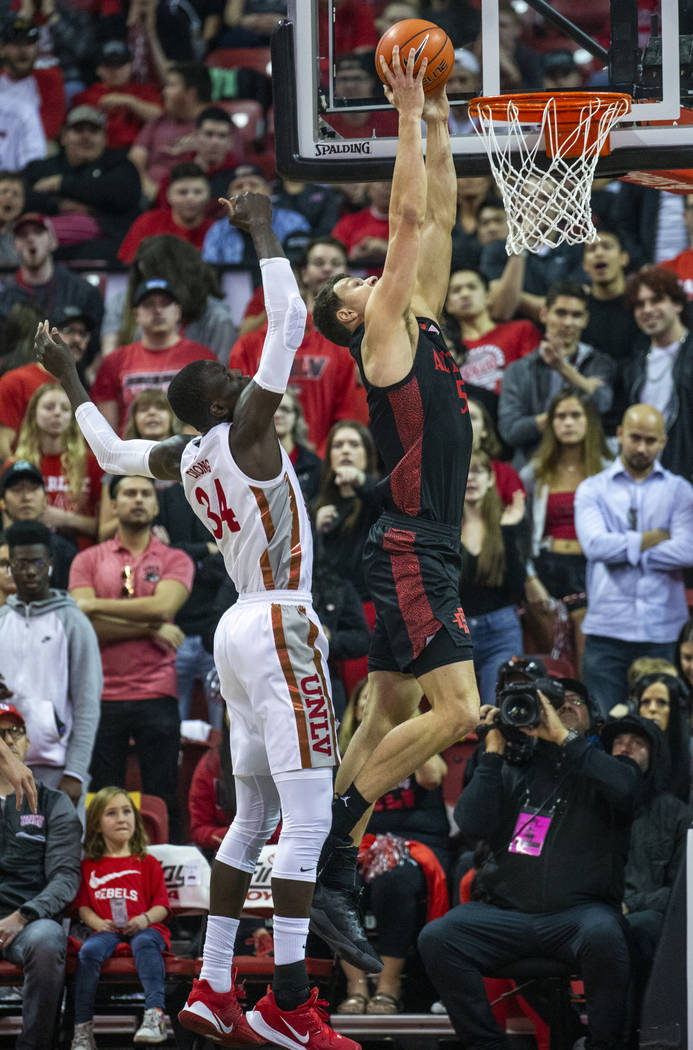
547, 202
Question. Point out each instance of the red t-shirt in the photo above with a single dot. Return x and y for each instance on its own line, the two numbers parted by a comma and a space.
51, 86
16, 388
132, 368
58, 492
136, 669
507, 481
123, 125
682, 266
324, 374
139, 881
488, 357
354, 228
159, 221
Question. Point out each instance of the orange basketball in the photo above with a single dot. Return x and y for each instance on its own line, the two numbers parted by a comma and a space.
428, 39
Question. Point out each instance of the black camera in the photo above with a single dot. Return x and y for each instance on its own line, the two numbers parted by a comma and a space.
517, 693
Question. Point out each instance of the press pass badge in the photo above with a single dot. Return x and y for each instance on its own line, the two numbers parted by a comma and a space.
529, 834
119, 911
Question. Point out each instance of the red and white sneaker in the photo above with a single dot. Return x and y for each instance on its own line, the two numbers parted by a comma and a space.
218, 1016
304, 1028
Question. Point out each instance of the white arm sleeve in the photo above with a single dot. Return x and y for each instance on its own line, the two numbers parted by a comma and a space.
286, 322
113, 454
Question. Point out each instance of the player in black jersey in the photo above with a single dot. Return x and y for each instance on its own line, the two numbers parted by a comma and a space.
419, 418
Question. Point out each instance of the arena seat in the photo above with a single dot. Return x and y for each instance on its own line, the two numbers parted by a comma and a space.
258, 58
249, 120
155, 817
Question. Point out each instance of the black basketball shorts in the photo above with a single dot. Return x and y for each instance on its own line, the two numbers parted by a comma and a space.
412, 568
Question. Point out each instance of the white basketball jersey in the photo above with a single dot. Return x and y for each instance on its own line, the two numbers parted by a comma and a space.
261, 527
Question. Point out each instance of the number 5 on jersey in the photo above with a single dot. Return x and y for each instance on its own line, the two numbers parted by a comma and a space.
225, 514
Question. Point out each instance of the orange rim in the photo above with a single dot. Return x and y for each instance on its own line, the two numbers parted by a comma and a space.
531, 106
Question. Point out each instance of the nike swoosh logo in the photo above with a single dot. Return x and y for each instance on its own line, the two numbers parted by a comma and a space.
226, 1029
301, 1038
420, 48
95, 882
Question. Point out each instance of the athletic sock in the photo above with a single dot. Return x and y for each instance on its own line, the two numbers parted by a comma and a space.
347, 810
290, 937
217, 955
290, 983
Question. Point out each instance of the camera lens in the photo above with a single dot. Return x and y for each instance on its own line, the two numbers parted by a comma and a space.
519, 710
519, 706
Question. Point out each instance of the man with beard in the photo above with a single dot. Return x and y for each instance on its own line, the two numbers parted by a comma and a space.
131, 587
634, 522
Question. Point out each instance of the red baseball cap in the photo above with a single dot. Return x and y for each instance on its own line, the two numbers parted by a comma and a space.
36, 218
12, 712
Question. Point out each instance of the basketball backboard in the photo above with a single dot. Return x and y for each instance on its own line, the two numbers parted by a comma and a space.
334, 124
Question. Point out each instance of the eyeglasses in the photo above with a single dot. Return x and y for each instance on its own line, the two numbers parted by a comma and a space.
22, 564
15, 732
128, 588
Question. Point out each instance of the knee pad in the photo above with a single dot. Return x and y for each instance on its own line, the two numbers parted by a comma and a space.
306, 800
257, 815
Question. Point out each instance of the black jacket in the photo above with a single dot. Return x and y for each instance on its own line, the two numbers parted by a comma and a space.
110, 186
39, 854
658, 833
677, 454
585, 848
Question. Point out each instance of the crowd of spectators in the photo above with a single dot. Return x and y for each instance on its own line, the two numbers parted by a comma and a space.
116, 140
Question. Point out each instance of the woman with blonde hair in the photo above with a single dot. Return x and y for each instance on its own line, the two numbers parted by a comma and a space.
50, 439
573, 448
492, 577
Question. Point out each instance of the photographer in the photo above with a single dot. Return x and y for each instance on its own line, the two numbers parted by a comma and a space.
557, 824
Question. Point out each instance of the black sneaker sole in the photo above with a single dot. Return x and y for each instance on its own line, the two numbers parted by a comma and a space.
321, 924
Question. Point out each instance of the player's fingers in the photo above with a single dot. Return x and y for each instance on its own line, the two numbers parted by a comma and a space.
386, 70
422, 69
411, 59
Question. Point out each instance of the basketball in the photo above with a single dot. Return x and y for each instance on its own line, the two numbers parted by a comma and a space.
429, 40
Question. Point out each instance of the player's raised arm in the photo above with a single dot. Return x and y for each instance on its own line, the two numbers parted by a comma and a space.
391, 298
286, 320
435, 252
150, 459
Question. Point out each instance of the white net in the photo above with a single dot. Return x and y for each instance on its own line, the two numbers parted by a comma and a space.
546, 203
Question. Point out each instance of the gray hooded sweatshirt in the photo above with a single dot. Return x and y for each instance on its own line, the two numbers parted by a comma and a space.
49, 656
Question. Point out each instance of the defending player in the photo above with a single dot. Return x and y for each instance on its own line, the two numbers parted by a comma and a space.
269, 648
419, 418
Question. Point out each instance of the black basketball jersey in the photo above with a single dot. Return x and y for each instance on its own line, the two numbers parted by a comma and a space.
422, 429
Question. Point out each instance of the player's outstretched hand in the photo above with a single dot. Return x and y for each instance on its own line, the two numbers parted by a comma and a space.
436, 106
247, 208
52, 352
403, 89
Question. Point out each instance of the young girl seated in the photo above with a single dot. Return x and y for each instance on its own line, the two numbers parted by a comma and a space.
122, 897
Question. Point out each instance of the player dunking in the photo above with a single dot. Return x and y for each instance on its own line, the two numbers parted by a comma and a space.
269, 648
419, 418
